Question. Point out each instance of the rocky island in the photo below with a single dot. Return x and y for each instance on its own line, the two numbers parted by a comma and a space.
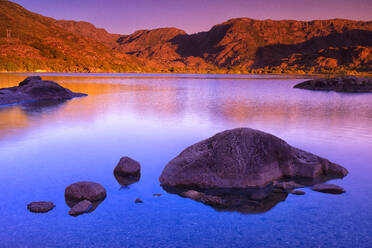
350, 84
35, 89
245, 169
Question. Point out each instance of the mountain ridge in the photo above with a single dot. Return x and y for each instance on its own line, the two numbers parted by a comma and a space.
238, 45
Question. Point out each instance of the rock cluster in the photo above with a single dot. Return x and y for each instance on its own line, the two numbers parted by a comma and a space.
350, 84
84, 197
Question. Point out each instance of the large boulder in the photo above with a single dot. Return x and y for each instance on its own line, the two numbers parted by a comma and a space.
35, 89
244, 158
349, 84
80, 191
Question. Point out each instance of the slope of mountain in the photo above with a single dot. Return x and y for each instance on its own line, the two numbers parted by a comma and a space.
30, 42
246, 44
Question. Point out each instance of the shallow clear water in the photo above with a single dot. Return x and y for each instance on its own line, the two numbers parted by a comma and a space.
44, 148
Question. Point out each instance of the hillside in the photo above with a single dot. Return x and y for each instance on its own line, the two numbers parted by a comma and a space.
30, 42
252, 45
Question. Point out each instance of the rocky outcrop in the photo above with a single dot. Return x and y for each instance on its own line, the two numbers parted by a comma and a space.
127, 171
328, 188
35, 89
40, 207
80, 208
243, 158
350, 84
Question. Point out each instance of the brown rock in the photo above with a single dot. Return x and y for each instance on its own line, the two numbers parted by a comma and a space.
127, 167
85, 191
328, 188
81, 208
138, 200
243, 158
40, 207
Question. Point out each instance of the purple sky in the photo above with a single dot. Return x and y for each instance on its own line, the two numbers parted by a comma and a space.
126, 16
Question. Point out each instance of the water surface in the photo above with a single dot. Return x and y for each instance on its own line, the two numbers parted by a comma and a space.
152, 118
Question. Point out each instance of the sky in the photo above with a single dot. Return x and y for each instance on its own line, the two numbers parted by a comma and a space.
127, 16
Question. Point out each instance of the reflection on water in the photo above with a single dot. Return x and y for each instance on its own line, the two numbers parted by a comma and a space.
243, 201
46, 146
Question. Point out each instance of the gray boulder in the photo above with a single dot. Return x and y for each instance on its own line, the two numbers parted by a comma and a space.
40, 207
244, 158
349, 84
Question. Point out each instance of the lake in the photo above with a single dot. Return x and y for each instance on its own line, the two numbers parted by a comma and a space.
44, 147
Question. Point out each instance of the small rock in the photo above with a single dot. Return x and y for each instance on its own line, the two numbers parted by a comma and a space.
40, 207
297, 192
328, 188
156, 194
81, 208
127, 167
138, 200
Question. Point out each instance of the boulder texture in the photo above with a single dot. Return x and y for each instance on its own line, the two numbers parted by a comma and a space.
328, 188
35, 89
350, 84
40, 207
243, 158
85, 191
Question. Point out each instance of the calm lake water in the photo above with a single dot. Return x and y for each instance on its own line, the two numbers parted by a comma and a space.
46, 147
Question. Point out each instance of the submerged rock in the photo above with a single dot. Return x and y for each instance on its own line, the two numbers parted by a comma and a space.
243, 201
287, 185
80, 208
80, 191
40, 207
35, 89
349, 84
328, 188
243, 158
127, 171
297, 192
138, 200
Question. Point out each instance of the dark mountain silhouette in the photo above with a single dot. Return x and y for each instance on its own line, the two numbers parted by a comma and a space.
239, 45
